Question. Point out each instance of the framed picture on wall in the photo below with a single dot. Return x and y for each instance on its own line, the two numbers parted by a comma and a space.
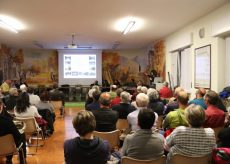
203, 67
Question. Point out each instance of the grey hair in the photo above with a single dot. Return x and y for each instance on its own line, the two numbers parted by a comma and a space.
125, 97
142, 100
144, 89
13, 91
153, 94
195, 115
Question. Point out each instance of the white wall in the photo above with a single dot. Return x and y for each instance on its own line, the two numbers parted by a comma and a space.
215, 25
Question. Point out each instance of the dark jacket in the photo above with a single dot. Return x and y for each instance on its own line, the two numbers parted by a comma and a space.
78, 151
106, 119
123, 110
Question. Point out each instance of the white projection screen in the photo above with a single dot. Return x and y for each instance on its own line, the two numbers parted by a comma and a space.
79, 67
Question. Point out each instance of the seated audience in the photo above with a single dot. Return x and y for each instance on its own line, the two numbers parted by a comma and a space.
23, 88
44, 104
85, 148
124, 107
89, 96
224, 138
117, 99
134, 95
215, 117
144, 89
154, 102
106, 118
165, 92
5, 87
173, 104
23, 107
144, 143
95, 104
8, 127
177, 118
10, 102
142, 101
199, 100
112, 91
57, 95
34, 99
193, 140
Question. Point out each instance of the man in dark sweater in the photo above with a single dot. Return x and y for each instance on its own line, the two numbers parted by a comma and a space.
106, 118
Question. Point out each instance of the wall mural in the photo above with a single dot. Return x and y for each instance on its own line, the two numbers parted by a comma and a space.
40, 67
122, 68
36, 67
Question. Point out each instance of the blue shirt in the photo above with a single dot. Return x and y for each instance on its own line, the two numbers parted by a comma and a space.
199, 101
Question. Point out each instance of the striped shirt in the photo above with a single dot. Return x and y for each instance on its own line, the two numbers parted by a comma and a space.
191, 141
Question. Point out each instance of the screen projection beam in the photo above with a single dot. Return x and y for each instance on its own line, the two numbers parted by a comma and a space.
79, 67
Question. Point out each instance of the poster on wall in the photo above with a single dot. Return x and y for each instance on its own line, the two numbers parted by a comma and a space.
203, 67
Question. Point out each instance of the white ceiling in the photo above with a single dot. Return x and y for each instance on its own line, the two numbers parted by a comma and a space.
51, 22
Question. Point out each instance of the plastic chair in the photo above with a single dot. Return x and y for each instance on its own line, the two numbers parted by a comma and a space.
8, 147
129, 160
112, 137
31, 129
182, 159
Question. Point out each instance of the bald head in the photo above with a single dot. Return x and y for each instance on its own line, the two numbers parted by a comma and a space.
182, 98
105, 99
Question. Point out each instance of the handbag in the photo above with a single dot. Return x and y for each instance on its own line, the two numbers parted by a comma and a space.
41, 122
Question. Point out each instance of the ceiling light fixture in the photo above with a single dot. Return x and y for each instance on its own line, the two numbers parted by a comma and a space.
7, 26
128, 27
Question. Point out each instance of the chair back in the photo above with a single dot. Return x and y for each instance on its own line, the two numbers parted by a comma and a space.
217, 131
31, 124
8, 146
129, 160
181, 159
56, 104
122, 124
112, 137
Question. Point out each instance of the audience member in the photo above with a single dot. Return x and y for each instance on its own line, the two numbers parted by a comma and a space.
199, 100
95, 104
23, 88
8, 127
10, 102
117, 99
89, 96
124, 108
34, 99
44, 104
144, 143
165, 92
5, 87
173, 103
136, 92
142, 101
86, 148
144, 89
112, 91
224, 137
106, 118
214, 116
117, 83
23, 107
177, 118
57, 95
154, 102
193, 140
